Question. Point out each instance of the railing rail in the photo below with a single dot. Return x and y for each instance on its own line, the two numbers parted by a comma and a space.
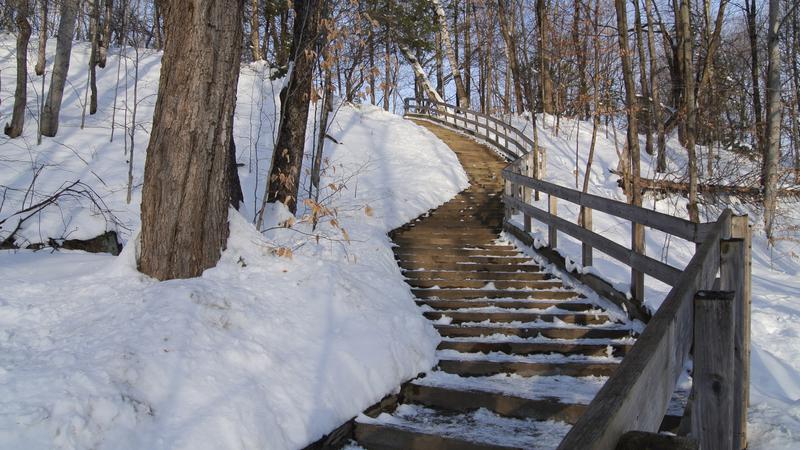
636, 396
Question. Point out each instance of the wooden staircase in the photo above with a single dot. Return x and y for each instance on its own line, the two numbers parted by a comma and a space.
522, 353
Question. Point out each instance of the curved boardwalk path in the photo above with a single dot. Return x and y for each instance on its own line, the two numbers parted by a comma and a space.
521, 353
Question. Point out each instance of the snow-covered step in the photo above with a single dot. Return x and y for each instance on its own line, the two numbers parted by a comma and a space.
486, 367
464, 399
559, 332
475, 275
568, 305
416, 427
550, 290
478, 284
445, 257
466, 251
528, 348
511, 316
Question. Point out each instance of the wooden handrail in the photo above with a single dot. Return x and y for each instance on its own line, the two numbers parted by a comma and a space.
636, 396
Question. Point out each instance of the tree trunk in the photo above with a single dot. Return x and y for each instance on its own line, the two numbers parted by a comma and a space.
444, 32
546, 81
750, 13
387, 75
52, 106
503, 13
661, 159
419, 72
41, 59
689, 105
468, 47
772, 152
94, 30
438, 60
255, 41
643, 76
14, 129
106, 40
287, 158
187, 174
631, 105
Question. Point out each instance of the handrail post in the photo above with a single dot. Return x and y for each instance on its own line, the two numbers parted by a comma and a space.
735, 276
552, 231
637, 277
712, 409
586, 249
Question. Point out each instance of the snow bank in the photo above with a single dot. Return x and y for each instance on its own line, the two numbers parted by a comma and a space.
281, 342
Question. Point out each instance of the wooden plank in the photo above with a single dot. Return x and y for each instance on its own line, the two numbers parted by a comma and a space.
732, 278
376, 436
637, 395
552, 230
637, 276
681, 228
712, 408
586, 249
650, 266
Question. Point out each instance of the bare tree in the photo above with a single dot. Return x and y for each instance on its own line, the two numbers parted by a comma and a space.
444, 32
186, 180
14, 128
772, 153
41, 55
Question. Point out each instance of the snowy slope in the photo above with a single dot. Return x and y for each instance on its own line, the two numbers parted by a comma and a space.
774, 417
262, 351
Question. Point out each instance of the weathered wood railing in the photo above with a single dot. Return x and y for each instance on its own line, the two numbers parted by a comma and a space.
708, 307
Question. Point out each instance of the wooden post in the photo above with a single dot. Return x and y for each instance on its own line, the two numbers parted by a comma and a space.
712, 409
552, 231
735, 267
586, 250
637, 277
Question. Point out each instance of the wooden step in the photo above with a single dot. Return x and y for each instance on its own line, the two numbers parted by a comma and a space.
526, 369
505, 405
475, 275
441, 265
386, 437
532, 332
452, 251
511, 316
511, 304
544, 293
446, 241
532, 348
444, 257
475, 284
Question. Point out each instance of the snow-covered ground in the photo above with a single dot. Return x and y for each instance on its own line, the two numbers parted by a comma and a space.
285, 339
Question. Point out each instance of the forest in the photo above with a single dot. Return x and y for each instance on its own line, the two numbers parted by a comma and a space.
208, 208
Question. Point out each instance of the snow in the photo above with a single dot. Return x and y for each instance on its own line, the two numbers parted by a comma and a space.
261, 351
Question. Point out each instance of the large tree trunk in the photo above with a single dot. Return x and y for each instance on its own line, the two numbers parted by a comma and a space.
106, 39
287, 158
14, 129
643, 76
772, 153
187, 174
468, 47
41, 55
444, 32
52, 106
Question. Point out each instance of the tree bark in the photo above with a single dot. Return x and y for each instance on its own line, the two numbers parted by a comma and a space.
444, 32
255, 41
52, 106
661, 158
752, 34
41, 56
94, 30
106, 39
772, 152
187, 174
14, 129
690, 105
643, 76
287, 158
503, 13
546, 82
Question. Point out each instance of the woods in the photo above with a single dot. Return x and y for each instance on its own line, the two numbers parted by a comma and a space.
694, 69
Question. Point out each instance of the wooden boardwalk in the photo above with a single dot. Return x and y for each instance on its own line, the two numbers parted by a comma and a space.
522, 353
